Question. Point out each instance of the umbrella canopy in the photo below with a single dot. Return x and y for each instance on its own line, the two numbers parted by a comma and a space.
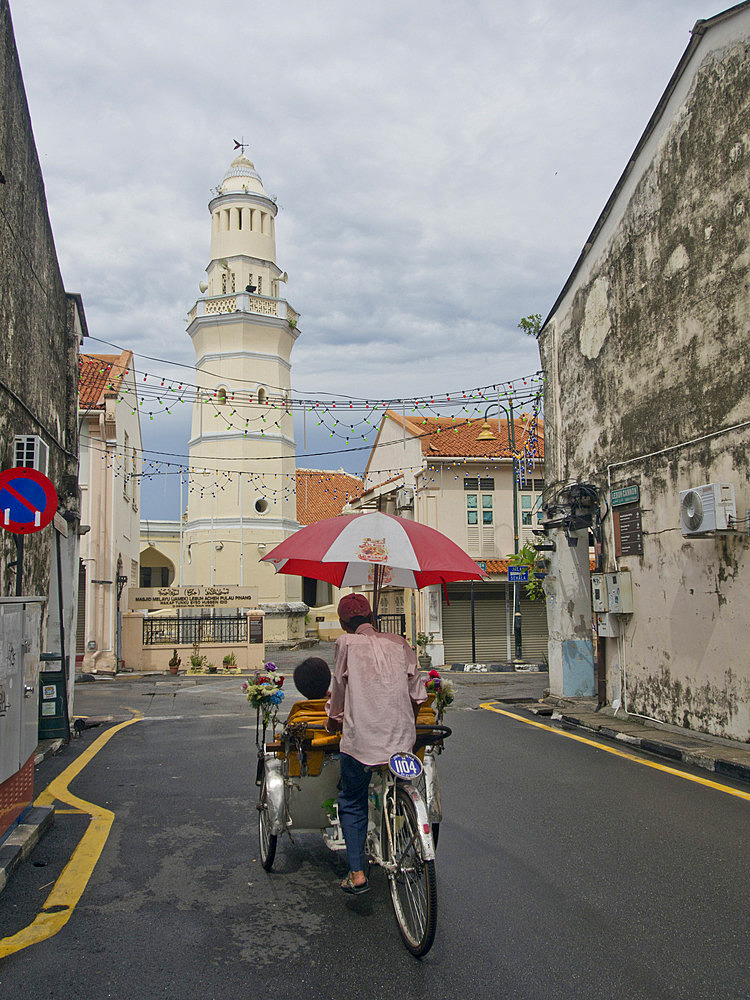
346, 551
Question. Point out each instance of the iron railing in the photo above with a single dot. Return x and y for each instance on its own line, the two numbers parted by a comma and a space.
189, 631
392, 623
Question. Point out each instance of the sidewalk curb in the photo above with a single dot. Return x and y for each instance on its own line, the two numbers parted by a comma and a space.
47, 749
23, 839
705, 759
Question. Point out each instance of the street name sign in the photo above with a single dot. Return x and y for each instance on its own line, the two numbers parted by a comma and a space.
625, 494
518, 574
28, 500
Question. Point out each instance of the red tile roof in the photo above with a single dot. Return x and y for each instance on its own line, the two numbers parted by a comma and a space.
99, 374
449, 438
323, 494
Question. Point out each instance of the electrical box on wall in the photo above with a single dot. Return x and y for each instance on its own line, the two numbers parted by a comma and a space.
612, 592
620, 593
607, 625
599, 592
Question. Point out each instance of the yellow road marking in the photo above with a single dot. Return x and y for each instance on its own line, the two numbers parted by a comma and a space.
73, 879
489, 706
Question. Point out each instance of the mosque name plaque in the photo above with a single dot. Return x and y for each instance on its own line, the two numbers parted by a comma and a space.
154, 598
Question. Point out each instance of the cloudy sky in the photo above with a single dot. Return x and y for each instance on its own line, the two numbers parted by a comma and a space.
438, 166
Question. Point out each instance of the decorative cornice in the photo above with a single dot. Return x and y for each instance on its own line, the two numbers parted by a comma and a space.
254, 355
241, 436
244, 196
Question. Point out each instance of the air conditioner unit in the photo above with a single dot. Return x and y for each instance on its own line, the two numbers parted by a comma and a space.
405, 498
30, 452
707, 508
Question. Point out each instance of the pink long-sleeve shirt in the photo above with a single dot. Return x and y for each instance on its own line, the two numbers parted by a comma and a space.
375, 684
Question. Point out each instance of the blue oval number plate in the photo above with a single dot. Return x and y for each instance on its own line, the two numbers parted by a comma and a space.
405, 765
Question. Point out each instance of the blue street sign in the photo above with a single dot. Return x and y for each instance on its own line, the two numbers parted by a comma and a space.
518, 574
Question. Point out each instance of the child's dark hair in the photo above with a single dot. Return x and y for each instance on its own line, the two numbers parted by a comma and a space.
312, 677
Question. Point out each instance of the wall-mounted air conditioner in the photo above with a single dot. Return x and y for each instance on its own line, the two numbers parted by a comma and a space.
405, 498
30, 452
707, 508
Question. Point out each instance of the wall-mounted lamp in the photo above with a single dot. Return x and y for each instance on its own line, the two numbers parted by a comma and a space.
261, 547
219, 546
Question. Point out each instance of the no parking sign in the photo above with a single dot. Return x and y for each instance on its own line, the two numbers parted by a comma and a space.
28, 500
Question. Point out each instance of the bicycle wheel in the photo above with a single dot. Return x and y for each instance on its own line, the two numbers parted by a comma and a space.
266, 839
413, 884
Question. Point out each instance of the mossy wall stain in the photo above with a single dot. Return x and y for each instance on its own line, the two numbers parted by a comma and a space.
672, 367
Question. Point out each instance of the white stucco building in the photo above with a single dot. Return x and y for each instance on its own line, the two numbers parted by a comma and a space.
110, 484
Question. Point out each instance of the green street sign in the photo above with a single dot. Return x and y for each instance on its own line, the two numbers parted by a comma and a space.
626, 494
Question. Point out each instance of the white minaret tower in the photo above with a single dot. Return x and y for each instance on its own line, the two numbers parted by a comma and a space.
243, 335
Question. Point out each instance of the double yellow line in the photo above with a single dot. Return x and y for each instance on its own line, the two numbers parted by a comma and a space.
69, 887
706, 782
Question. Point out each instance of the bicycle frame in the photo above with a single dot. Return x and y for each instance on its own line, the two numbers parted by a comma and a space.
381, 817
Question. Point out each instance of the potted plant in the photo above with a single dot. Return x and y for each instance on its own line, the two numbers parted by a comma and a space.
424, 658
229, 661
210, 667
197, 661
174, 663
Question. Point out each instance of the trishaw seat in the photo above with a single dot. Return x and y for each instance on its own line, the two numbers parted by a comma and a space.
314, 742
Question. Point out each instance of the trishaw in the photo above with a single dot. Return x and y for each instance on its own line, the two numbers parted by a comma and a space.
298, 774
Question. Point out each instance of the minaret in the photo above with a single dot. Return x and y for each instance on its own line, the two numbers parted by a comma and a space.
243, 335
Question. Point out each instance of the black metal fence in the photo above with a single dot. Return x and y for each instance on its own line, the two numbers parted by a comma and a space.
189, 631
392, 623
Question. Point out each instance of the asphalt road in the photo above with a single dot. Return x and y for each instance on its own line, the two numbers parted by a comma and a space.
563, 871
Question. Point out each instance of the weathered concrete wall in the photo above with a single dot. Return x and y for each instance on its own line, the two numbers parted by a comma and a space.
647, 352
38, 343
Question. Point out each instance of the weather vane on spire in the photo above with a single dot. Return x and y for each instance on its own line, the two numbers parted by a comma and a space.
240, 144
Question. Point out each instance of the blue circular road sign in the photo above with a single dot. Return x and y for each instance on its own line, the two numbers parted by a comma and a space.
28, 500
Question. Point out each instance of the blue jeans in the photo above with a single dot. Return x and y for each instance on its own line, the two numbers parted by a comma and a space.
352, 802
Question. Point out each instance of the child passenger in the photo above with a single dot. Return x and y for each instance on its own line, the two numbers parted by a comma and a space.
312, 679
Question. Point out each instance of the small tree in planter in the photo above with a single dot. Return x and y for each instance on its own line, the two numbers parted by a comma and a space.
423, 639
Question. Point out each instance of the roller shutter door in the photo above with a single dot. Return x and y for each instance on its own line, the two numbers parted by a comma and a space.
81, 621
490, 624
534, 634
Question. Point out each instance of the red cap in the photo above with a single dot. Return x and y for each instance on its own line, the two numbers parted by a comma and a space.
354, 606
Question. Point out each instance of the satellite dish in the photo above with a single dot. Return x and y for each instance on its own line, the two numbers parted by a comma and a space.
203, 286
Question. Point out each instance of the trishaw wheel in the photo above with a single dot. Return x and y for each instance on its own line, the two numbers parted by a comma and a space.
267, 839
413, 885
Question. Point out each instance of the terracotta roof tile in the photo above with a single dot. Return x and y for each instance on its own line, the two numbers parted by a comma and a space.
448, 438
98, 374
497, 566
323, 494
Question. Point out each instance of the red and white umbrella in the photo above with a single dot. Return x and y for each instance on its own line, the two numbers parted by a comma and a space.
373, 550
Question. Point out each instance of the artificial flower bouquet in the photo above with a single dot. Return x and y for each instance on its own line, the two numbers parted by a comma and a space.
442, 690
264, 693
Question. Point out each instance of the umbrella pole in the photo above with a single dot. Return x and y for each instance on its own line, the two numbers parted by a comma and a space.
377, 580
